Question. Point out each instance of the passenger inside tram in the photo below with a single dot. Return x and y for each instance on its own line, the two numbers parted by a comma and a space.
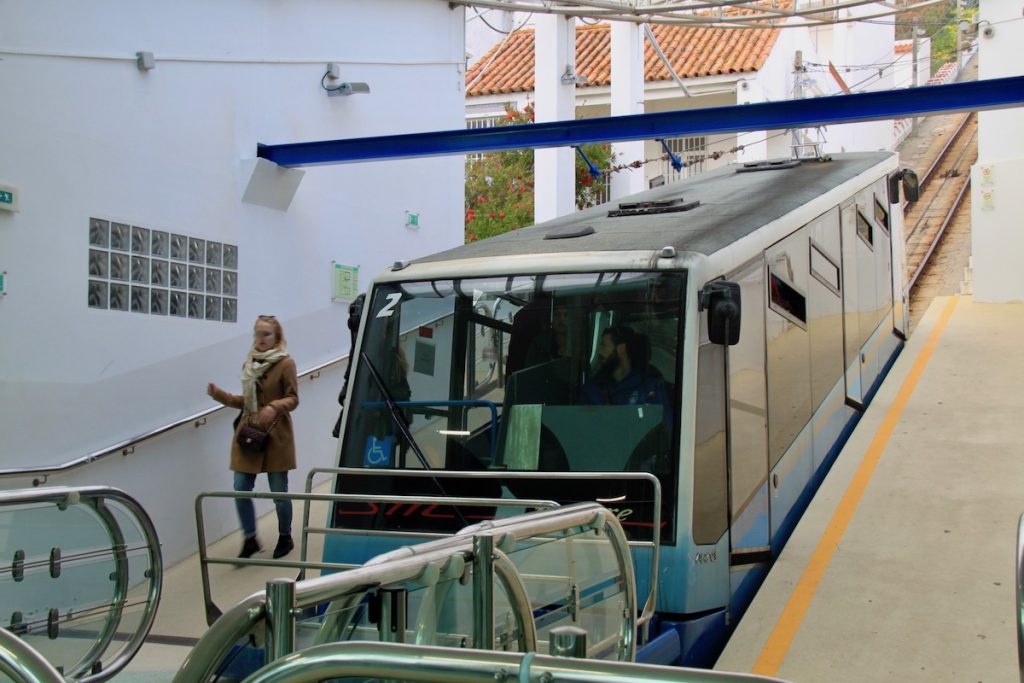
500, 374
498, 370
624, 375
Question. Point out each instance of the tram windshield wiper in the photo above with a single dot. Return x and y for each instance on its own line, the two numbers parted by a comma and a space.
403, 428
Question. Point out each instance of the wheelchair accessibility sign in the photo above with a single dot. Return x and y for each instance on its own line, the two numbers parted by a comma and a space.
378, 452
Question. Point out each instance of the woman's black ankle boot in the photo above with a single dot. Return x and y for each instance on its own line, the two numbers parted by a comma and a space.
284, 546
250, 547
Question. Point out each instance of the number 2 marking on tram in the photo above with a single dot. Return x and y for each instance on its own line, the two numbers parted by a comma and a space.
389, 308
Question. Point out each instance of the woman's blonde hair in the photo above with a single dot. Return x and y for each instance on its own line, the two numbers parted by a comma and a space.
282, 343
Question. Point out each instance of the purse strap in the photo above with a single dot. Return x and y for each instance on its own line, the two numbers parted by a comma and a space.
276, 418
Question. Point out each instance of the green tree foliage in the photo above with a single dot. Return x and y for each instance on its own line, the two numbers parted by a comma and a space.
499, 186
939, 21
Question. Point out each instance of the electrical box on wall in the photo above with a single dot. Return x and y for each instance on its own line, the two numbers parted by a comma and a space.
9, 198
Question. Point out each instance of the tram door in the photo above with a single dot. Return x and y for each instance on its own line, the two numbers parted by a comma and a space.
852, 253
867, 291
750, 521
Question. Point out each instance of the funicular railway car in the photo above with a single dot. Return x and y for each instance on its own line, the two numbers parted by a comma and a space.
722, 333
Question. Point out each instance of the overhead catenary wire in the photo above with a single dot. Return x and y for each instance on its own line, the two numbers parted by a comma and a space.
759, 15
664, 60
494, 54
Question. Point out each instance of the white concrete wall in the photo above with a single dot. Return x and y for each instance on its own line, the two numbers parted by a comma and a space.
862, 52
486, 27
84, 133
997, 204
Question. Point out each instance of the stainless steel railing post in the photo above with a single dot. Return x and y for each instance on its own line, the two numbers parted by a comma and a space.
483, 591
1020, 597
280, 625
392, 624
569, 641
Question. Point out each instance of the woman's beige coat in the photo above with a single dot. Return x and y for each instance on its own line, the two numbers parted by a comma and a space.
279, 388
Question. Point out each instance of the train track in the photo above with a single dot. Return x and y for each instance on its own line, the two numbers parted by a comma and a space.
944, 187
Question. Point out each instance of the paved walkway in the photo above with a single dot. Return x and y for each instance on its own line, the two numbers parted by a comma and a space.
903, 567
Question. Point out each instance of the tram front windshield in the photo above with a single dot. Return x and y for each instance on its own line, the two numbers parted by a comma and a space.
552, 373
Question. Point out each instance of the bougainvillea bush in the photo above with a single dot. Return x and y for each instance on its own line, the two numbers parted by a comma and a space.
499, 185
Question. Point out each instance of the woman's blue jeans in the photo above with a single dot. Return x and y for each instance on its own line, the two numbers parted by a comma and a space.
247, 511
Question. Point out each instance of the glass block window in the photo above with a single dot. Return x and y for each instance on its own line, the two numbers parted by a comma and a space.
158, 272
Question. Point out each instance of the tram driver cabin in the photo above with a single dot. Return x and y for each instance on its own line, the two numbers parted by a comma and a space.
765, 303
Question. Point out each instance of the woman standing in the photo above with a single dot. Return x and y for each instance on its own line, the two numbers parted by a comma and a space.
270, 392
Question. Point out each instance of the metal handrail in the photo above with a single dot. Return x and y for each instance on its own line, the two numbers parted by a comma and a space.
20, 662
425, 562
213, 612
127, 446
655, 543
422, 663
96, 497
1020, 597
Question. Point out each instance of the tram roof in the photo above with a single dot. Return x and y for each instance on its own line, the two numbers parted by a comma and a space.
733, 204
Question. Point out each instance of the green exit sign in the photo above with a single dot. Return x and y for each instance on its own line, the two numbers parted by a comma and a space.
8, 198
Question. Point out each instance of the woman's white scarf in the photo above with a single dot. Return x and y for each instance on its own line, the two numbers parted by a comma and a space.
255, 366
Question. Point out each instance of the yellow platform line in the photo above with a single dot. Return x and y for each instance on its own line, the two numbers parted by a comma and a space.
778, 643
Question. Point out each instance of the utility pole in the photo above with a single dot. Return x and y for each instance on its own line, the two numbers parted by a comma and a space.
913, 54
959, 35
798, 94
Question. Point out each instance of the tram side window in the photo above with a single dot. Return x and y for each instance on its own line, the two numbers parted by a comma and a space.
786, 300
824, 270
881, 215
710, 487
864, 230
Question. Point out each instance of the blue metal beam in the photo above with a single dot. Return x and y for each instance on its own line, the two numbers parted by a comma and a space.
996, 93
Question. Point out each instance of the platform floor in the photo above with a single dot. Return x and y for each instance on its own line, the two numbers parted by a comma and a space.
903, 567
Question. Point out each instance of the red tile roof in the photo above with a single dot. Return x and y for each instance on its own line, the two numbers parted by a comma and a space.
693, 51
903, 46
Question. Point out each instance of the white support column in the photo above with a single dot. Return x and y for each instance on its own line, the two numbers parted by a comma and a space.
554, 168
754, 143
997, 240
627, 98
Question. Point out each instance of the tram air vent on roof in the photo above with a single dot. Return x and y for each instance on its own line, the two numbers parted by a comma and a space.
647, 208
569, 232
770, 165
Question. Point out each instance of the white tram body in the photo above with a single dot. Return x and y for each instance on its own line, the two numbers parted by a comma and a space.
490, 351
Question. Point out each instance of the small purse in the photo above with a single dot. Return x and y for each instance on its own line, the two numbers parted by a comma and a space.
253, 439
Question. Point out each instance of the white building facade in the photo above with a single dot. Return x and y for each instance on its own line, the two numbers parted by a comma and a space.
802, 63
137, 246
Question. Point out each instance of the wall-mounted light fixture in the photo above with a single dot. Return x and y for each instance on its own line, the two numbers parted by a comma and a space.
330, 83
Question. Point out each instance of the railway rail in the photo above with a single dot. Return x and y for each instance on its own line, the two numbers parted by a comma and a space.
943, 189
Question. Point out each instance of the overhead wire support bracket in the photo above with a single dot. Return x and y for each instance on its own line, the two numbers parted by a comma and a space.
595, 172
673, 158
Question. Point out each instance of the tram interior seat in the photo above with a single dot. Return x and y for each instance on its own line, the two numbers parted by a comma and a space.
579, 438
547, 382
602, 438
527, 324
